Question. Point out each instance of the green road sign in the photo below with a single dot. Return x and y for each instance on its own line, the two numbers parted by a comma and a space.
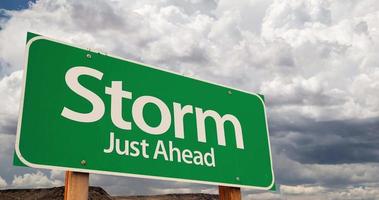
89, 112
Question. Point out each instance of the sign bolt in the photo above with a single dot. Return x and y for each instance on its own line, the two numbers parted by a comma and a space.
237, 178
88, 55
229, 92
83, 162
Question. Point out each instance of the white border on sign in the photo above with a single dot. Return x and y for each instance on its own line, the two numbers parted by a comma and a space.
29, 164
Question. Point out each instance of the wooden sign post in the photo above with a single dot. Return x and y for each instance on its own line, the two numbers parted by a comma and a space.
229, 193
76, 186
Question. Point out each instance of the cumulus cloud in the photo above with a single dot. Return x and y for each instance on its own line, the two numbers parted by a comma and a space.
263, 196
325, 47
315, 61
301, 189
10, 89
34, 180
3, 183
294, 54
355, 193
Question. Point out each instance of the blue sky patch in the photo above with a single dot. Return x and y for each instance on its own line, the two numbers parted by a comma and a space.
15, 4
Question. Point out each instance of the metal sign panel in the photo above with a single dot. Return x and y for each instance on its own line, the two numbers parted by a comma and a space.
89, 112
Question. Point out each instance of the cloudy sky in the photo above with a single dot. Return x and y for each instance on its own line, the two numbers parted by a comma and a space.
315, 61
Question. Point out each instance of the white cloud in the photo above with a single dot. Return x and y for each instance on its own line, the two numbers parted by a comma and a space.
311, 59
3, 183
355, 193
10, 89
301, 189
173, 190
185, 188
364, 88
294, 56
34, 180
263, 196
330, 53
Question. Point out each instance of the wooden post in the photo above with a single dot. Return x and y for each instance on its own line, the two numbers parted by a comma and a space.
229, 193
76, 186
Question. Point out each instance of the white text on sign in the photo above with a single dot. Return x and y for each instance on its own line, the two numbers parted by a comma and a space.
118, 94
